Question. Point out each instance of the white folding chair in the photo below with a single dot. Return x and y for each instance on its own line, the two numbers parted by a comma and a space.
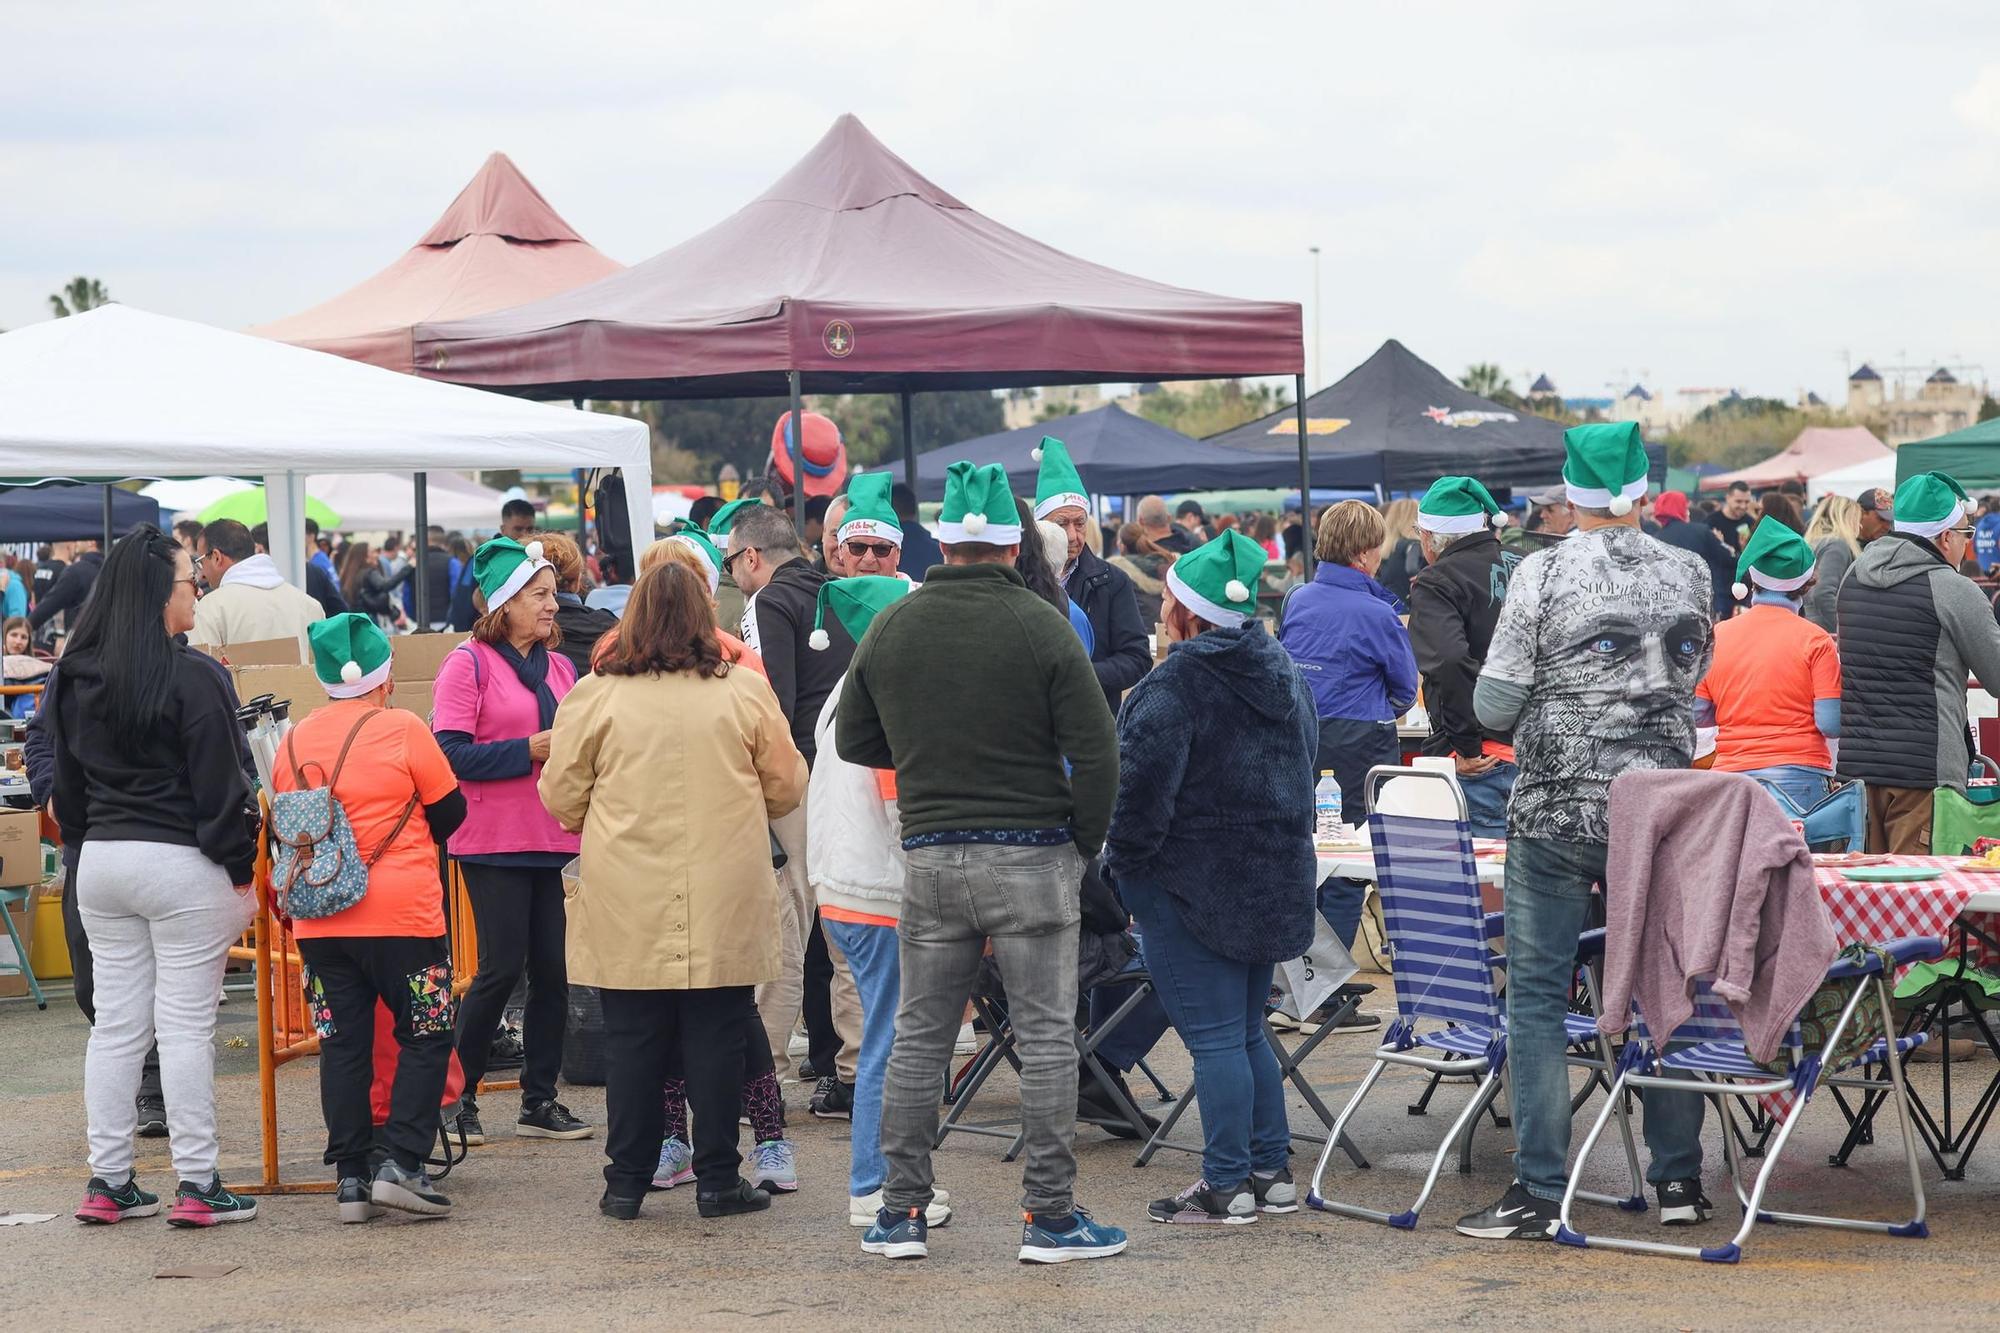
1709, 1046
1449, 1019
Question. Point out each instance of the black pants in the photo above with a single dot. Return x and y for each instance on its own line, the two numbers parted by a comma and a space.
343, 980
517, 912
1348, 749
823, 1041
83, 977
642, 1028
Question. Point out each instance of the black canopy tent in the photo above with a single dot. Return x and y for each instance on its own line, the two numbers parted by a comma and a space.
1118, 453
1404, 424
63, 512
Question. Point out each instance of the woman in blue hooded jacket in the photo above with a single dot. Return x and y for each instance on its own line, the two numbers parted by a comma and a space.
1211, 850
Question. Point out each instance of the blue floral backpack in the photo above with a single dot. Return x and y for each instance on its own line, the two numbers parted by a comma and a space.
316, 867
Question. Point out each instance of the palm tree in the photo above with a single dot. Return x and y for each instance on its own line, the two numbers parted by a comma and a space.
82, 293
1485, 379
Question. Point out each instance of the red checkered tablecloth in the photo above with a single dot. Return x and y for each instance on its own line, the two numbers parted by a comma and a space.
1877, 912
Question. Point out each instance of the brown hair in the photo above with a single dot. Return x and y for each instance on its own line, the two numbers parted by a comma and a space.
491, 627
22, 621
561, 552
354, 562
1134, 540
1348, 529
667, 627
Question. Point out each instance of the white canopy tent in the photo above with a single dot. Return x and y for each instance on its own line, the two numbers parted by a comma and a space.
116, 392
1855, 478
365, 501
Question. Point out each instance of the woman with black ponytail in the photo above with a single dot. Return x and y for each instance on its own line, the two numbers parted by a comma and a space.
148, 787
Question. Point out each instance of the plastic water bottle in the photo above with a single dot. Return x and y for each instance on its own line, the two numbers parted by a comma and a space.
1326, 809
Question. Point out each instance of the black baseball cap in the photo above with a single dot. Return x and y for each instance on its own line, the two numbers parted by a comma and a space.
1187, 507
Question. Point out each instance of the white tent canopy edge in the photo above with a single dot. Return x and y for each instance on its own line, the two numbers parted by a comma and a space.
117, 392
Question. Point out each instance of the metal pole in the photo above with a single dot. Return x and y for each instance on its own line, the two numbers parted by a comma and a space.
909, 446
577, 475
1305, 476
797, 447
107, 518
422, 577
1317, 378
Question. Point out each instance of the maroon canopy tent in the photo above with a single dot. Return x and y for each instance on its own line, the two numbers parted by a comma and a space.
855, 274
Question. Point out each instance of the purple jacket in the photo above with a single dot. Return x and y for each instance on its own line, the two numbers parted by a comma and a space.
1706, 877
1345, 633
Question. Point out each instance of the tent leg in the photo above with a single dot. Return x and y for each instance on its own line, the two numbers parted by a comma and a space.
578, 475
1305, 476
797, 445
421, 539
909, 446
108, 525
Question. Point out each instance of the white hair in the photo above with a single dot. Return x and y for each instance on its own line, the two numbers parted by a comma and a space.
1055, 545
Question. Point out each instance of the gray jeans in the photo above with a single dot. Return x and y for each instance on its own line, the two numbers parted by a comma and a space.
1025, 899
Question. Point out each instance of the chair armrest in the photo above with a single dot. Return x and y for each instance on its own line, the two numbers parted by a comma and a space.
1911, 949
1590, 944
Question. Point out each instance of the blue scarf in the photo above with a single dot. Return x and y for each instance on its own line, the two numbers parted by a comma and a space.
532, 670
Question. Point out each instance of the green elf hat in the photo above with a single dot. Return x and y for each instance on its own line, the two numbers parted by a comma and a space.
502, 567
1058, 485
1929, 503
855, 602
697, 541
350, 654
978, 506
1218, 579
1605, 467
869, 512
719, 522
1775, 557
1459, 504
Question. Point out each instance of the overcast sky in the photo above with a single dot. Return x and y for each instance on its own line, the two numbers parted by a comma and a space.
1705, 193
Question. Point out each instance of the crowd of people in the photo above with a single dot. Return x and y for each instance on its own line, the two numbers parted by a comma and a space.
849, 778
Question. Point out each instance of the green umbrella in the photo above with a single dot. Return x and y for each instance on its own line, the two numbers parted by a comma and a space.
247, 507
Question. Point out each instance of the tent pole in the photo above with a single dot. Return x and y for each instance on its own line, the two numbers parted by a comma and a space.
577, 475
107, 518
1305, 477
797, 447
421, 579
909, 445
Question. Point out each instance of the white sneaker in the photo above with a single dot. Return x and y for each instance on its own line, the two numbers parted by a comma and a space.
968, 1041
862, 1208
798, 1047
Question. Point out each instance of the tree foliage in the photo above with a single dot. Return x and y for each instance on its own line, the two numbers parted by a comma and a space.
1485, 379
1211, 406
78, 295
1739, 431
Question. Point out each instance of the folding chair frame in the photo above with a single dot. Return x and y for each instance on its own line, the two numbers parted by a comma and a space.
1636, 1073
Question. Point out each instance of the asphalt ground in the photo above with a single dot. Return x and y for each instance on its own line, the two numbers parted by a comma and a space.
527, 1246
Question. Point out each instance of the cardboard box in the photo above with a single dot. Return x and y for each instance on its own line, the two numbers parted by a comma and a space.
296, 683
23, 916
20, 848
418, 656
256, 652
414, 695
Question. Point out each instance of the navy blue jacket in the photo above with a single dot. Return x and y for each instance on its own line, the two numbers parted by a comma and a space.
1216, 747
1343, 631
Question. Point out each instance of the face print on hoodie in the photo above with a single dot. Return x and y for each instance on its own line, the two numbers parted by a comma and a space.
1610, 633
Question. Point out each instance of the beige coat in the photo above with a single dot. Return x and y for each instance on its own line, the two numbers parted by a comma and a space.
240, 613
672, 781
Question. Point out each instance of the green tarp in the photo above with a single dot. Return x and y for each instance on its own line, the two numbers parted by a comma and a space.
1970, 456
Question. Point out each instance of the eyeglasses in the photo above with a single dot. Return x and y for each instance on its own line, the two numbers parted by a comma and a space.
729, 561
880, 550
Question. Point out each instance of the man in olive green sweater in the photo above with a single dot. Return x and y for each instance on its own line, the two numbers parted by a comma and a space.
975, 691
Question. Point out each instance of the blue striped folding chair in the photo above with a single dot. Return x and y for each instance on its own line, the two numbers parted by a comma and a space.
1708, 1050
1449, 1018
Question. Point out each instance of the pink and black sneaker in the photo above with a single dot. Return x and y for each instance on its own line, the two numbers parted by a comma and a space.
209, 1205
103, 1205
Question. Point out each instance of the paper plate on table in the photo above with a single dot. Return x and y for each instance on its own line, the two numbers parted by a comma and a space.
1891, 874
1841, 860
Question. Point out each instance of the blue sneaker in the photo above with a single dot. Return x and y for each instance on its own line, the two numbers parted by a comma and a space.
1086, 1239
895, 1236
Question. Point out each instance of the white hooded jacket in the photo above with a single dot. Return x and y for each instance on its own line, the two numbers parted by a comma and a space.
854, 844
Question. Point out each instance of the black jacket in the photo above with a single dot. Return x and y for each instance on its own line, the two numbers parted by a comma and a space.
1454, 604
182, 784
777, 624
460, 610
1122, 653
72, 587
373, 597
582, 626
1706, 542
322, 588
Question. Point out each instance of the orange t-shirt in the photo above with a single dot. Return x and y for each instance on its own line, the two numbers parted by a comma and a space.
394, 755
1770, 666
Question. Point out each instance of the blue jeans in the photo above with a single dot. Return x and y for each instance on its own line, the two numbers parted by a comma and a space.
1798, 788
872, 956
1486, 799
1217, 1006
1548, 902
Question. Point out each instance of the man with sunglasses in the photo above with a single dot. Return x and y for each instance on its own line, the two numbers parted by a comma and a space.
1911, 629
869, 533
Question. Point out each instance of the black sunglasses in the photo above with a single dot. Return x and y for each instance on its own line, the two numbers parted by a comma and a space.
880, 550
729, 561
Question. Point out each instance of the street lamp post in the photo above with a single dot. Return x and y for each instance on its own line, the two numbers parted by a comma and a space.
1314, 250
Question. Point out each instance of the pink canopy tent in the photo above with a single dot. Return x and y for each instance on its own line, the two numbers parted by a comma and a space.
498, 245
1817, 449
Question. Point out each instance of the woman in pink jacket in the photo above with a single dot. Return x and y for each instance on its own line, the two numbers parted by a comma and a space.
492, 708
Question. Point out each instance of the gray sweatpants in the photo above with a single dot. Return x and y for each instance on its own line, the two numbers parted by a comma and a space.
1025, 899
161, 918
